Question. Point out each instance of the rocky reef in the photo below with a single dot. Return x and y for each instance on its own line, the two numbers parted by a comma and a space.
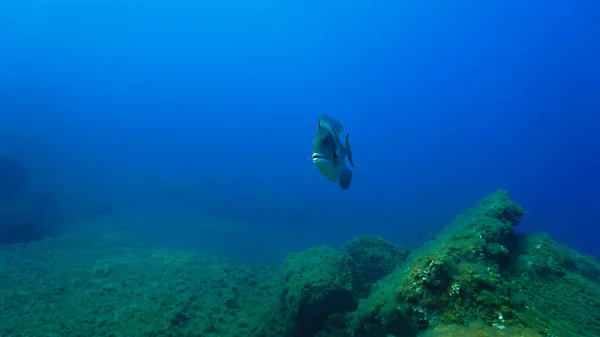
318, 283
456, 278
476, 278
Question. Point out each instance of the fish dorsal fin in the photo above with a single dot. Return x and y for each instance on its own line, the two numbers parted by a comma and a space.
331, 124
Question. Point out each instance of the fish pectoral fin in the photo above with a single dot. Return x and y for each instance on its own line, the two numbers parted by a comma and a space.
349, 150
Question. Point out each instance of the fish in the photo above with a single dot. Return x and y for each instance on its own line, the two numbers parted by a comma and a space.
329, 154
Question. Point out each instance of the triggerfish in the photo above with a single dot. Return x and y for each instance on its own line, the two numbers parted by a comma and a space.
329, 154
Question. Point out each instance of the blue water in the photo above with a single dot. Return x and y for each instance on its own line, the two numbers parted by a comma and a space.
212, 106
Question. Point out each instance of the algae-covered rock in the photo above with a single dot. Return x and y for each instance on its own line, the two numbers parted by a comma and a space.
375, 258
477, 278
560, 287
455, 278
478, 329
318, 283
477, 269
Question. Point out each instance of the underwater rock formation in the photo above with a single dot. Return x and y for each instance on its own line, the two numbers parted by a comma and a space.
477, 269
456, 278
322, 284
476, 279
375, 258
478, 329
318, 283
560, 288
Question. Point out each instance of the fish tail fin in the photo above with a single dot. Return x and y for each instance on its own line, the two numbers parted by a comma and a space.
345, 178
349, 150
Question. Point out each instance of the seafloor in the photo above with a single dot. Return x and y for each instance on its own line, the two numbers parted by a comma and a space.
476, 278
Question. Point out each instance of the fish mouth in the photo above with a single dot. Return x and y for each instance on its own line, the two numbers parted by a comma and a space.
316, 157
